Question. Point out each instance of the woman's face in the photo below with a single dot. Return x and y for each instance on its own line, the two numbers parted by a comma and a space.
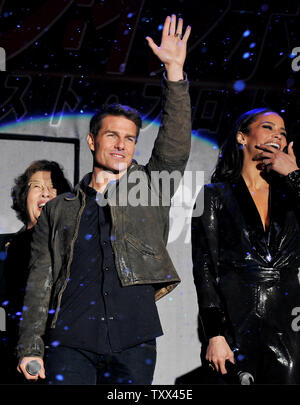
40, 191
268, 129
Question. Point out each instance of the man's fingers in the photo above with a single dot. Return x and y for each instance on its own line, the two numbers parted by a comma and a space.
169, 29
166, 27
173, 24
24, 363
152, 44
179, 27
187, 33
42, 373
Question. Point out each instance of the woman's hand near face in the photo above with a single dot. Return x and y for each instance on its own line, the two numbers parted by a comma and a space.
277, 160
218, 351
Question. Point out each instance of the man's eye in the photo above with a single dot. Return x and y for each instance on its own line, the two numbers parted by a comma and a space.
284, 134
268, 127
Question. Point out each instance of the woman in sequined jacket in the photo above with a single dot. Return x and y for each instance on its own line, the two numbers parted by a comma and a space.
246, 254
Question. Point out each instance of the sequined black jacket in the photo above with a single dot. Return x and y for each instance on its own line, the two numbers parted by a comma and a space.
239, 268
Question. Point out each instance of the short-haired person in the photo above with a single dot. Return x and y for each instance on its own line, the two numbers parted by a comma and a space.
97, 269
42, 181
246, 254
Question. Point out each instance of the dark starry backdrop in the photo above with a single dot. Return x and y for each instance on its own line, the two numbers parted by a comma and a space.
70, 56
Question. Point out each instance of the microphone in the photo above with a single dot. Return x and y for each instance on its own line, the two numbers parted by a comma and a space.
245, 378
33, 367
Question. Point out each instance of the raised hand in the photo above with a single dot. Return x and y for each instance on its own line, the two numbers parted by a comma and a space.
172, 50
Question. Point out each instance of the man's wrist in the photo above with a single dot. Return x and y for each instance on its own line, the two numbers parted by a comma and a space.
174, 72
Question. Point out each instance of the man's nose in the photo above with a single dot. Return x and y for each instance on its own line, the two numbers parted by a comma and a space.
120, 144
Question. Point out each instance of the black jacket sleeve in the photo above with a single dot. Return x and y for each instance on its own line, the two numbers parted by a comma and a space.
38, 290
173, 143
205, 264
292, 181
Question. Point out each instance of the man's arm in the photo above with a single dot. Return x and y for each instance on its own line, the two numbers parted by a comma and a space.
172, 146
37, 296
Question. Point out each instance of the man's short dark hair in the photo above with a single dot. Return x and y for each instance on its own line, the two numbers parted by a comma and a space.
115, 110
20, 190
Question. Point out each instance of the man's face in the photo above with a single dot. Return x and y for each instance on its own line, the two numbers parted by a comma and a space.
114, 145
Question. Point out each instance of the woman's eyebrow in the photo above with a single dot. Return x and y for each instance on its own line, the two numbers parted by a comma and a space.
270, 122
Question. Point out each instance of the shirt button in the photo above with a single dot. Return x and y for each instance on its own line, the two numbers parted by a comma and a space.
105, 292
111, 318
102, 318
106, 268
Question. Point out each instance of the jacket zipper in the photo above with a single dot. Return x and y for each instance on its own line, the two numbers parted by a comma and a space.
53, 323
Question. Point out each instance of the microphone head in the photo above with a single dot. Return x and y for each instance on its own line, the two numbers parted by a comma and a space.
245, 378
33, 367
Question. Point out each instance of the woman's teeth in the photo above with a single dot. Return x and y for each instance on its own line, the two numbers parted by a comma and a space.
275, 145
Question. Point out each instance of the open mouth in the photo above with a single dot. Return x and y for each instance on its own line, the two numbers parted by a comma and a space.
275, 145
40, 206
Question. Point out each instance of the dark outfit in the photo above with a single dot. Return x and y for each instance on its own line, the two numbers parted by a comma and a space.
136, 256
247, 278
15, 251
98, 318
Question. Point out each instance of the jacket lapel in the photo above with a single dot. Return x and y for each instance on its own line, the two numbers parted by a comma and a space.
247, 207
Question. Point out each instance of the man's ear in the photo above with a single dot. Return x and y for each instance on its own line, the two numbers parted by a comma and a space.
91, 142
241, 138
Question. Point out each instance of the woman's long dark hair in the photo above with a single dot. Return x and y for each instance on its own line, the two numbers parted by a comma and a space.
231, 157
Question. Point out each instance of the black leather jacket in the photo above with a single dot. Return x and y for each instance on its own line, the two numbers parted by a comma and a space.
139, 233
240, 270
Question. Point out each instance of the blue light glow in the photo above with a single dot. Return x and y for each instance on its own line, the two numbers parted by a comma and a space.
246, 33
239, 85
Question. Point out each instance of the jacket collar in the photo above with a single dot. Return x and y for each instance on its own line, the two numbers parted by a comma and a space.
81, 186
